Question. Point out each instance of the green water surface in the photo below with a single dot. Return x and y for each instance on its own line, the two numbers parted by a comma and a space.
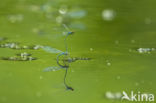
116, 66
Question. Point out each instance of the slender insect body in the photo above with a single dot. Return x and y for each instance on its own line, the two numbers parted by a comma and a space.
63, 58
74, 59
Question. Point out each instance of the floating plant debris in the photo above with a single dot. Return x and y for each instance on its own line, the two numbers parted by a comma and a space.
10, 45
25, 58
23, 54
35, 47
20, 57
13, 45
145, 50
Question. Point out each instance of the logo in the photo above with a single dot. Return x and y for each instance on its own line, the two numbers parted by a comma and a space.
138, 96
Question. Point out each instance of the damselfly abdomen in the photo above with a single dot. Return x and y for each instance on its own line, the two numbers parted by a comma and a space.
74, 59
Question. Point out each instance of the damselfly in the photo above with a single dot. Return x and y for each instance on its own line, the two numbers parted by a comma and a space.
64, 65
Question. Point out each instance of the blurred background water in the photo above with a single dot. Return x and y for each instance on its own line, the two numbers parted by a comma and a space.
119, 36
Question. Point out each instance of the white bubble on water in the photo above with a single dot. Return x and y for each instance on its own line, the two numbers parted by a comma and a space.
108, 14
109, 95
91, 49
63, 9
108, 64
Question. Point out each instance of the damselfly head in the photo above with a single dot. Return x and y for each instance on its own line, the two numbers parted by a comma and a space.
71, 33
70, 88
65, 53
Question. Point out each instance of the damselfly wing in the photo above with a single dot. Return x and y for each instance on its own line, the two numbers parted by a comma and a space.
51, 50
76, 14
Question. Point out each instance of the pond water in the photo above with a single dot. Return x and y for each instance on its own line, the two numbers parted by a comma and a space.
119, 36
